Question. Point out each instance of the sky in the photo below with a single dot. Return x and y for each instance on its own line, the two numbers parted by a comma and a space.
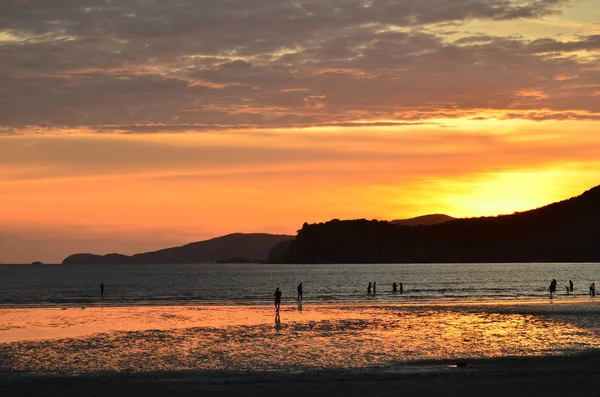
134, 125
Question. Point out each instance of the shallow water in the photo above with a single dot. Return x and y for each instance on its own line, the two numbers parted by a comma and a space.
307, 338
236, 284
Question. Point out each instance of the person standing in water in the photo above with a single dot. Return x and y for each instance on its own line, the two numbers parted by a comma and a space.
394, 288
102, 289
277, 296
374, 287
401, 288
570, 286
593, 289
299, 291
552, 287
369, 288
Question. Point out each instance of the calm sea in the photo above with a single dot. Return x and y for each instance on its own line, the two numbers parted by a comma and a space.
41, 285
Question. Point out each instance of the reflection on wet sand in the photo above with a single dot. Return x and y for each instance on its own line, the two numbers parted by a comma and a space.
277, 322
143, 339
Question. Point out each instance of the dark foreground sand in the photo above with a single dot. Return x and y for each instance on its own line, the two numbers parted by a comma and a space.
547, 376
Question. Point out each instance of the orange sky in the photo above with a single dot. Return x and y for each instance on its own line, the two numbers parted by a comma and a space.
130, 192
144, 133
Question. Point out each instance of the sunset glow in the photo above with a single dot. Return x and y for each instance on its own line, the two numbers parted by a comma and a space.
178, 121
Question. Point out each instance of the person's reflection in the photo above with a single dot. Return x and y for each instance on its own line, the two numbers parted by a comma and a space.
277, 322
299, 306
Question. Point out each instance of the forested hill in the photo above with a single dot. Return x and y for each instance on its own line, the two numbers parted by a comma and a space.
563, 231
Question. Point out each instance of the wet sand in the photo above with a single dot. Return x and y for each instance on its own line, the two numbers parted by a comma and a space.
522, 348
45, 323
498, 377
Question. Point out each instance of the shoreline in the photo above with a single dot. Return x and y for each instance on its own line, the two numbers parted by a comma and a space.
297, 263
401, 300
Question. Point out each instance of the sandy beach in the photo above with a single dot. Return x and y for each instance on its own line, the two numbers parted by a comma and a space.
576, 375
349, 349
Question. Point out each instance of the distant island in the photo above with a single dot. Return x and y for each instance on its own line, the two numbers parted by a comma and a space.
567, 231
237, 247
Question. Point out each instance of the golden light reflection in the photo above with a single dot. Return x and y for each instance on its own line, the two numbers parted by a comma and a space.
251, 338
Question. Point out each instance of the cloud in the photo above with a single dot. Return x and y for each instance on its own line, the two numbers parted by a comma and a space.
266, 63
584, 43
256, 18
389, 151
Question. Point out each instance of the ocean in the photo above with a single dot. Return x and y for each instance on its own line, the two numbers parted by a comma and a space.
254, 284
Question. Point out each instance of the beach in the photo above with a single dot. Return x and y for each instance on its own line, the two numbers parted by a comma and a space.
458, 329
309, 348
577, 375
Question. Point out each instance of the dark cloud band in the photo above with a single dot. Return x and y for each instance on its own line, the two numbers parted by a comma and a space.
267, 63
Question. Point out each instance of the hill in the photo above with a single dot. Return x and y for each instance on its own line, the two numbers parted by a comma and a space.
425, 220
562, 232
249, 247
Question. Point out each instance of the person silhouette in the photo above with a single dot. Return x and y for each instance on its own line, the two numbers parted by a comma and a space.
567, 289
552, 287
570, 286
277, 296
374, 287
299, 291
102, 289
593, 289
394, 288
369, 288
401, 288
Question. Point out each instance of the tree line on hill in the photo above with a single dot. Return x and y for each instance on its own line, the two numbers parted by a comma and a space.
560, 232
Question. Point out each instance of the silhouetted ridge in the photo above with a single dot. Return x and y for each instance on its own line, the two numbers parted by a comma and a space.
246, 247
97, 259
426, 220
563, 231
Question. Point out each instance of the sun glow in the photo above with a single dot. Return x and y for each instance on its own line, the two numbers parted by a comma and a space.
196, 185
508, 192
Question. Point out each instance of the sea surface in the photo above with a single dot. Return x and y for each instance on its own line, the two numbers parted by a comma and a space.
254, 284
